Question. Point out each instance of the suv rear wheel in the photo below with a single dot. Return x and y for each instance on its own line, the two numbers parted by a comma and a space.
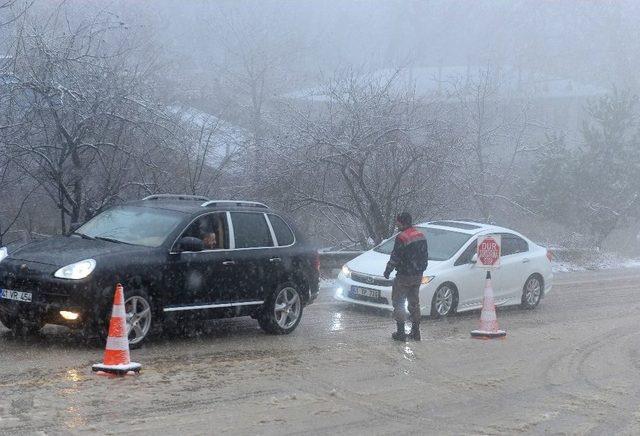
282, 311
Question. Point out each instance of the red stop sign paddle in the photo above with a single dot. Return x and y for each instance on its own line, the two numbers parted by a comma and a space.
489, 251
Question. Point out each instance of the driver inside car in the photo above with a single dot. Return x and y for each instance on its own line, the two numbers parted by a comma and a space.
210, 241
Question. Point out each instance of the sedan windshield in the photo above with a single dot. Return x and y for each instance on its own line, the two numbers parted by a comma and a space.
132, 225
442, 243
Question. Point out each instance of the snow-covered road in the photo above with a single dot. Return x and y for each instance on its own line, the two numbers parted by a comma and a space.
571, 366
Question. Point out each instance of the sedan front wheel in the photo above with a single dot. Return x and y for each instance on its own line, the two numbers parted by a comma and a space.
444, 300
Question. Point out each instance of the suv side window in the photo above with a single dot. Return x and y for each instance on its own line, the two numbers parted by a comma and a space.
513, 244
283, 232
250, 230
467, 254
212, 229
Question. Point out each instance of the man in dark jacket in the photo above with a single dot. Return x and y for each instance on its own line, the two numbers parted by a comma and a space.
409, 258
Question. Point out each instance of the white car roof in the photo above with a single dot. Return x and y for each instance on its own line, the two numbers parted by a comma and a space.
465, 226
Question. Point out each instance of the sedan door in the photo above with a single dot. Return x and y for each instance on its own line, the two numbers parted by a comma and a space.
515, 266
469, 278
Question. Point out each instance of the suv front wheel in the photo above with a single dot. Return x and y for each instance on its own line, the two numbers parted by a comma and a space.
138, 310
282, 311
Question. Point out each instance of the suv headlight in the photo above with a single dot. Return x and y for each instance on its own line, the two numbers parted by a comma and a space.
76, 271
3, 253
346, 272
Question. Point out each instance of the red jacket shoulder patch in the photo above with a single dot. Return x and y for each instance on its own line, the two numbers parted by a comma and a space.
410, 235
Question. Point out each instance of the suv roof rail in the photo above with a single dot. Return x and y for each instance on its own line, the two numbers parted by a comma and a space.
176, 197
234, 203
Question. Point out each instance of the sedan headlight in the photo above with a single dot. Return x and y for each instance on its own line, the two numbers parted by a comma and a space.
426, 279
76, 271
346, 272
3, 253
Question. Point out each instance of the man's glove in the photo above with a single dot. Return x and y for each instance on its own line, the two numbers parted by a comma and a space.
387, 273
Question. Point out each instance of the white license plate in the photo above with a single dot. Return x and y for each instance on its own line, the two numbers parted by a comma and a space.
365, 292
9, 294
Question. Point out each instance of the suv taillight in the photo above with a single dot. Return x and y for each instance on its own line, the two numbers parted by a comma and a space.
549, 255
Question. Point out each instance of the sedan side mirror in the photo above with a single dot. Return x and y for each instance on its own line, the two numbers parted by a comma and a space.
189, 243
474, 259
74, 226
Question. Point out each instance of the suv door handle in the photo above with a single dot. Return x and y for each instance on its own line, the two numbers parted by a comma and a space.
229, 262
525, 260
275, 259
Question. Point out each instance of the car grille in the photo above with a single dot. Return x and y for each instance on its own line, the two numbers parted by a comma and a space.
370, 280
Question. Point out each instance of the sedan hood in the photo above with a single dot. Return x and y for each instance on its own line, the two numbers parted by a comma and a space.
63, 250
373, 263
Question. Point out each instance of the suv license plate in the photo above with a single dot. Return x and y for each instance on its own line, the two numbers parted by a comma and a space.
9, 294
365, 292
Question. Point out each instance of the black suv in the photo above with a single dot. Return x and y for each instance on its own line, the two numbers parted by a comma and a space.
176, 256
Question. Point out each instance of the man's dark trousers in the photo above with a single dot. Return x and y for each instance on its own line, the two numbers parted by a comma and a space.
406, 288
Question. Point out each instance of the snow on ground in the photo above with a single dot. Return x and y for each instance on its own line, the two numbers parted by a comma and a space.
568, 367
597, 262
327, 282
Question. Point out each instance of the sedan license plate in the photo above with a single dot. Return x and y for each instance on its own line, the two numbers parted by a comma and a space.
9, 294
366, 292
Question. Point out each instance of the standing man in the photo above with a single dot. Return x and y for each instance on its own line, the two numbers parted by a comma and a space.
409, 258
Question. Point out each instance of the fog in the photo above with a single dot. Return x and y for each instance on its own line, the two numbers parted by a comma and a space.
236, 199
248, 93
594, 41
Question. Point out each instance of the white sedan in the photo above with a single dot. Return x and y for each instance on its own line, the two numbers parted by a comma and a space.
452, 281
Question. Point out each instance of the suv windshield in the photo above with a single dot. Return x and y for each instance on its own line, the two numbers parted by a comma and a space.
442, 243
132, 225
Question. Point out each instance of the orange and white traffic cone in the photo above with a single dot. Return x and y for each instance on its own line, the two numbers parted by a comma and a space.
116, 354
488, 320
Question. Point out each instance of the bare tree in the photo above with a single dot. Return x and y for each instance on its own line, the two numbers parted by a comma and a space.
13, 10
14, 200
371, 151
207, 147
81, 113
496, 128
253, 74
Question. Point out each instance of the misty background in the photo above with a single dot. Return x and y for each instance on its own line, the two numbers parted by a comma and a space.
339, 113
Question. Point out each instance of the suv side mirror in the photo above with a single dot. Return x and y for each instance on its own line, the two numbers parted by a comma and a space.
190, 243
474, 258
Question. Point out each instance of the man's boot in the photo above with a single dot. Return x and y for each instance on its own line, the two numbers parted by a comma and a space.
415, 331
400, 335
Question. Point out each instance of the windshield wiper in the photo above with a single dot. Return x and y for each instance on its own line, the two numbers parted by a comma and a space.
83, 236
117, 241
